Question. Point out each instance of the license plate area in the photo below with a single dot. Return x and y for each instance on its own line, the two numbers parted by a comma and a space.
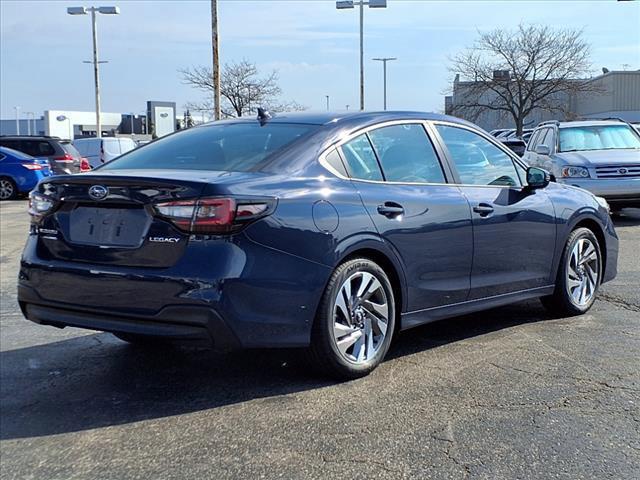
108, 227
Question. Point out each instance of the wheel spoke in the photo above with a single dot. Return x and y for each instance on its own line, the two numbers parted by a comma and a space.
341, 304
345, 342
340, 330
369, 334
573, 283
359, 347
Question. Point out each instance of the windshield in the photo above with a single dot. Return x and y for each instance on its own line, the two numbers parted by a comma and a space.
235, 147
603, 137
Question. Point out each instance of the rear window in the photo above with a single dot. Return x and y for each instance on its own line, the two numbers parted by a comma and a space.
238, 147
604, 137
70, 149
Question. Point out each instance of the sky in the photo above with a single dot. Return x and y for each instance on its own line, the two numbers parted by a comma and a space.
313, 46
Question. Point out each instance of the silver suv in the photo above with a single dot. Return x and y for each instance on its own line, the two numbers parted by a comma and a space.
602, 156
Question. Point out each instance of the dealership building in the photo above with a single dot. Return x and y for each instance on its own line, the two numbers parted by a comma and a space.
160, 119
618, 96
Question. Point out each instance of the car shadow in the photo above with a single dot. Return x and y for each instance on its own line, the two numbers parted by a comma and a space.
96, 380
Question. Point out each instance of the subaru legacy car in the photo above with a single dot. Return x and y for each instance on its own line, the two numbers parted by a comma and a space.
602, 156
325, 231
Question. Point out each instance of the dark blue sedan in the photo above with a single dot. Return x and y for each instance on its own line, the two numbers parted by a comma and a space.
20, 173
325, 231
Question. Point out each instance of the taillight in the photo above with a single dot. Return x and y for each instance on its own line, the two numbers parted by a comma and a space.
32, 166
213, 215
66, 158
85, 166
39, 205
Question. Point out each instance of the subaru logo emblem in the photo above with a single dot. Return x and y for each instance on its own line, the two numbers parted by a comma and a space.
622, 171
98, 192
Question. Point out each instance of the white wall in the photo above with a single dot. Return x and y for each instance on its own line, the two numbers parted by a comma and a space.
65, 128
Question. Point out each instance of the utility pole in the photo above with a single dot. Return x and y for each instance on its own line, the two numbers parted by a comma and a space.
384, 73
216, 60
327, 102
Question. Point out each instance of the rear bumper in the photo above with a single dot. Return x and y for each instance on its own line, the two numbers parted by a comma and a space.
185, 324
616, 191
228, 294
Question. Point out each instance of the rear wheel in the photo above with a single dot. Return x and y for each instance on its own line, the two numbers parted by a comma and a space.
8, 189
578, 277
355, 322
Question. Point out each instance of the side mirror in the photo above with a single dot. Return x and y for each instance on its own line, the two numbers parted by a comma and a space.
537, 177
542, 150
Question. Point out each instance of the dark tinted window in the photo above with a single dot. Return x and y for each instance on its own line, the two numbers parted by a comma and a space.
236, 147
37, 148
334, 160
70, 149
361, 159
478, 161
406, 154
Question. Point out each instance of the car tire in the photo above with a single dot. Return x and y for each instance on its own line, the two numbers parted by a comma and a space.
577, 280
350, 337
8, 189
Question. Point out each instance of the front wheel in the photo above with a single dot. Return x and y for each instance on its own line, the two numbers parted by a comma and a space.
355, 322
578, 277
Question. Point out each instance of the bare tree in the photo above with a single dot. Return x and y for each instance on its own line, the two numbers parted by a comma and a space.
518, 71
242, 88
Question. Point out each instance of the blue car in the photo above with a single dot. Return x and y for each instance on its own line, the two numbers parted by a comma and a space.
20, 173
325, 231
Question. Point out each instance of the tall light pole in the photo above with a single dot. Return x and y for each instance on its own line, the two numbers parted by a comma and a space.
344, 4
327, 102
216, 60
17, 109
95, 62
384, 61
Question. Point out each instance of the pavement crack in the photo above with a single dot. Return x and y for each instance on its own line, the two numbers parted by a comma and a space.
619, 301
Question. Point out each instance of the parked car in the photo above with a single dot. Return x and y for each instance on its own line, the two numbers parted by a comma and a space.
499, 131
515, 144
20, 173
525, 136
506, 133
102, 150
602, 156
63, 157
325, 231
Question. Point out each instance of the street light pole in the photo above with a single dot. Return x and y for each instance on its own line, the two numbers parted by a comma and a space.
216, 60
95, 62
344, 4
384, 73
327, 102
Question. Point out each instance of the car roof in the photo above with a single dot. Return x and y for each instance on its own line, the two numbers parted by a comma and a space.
327, 118
29, 137
590, 123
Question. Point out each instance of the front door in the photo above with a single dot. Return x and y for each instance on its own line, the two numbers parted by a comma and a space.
514, 230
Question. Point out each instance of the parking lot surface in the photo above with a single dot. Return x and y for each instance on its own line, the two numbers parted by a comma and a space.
503, 394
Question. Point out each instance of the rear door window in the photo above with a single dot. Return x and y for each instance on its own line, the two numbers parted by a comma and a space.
361, 159
406, 154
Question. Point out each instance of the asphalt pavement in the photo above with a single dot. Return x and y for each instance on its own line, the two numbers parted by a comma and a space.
510, 393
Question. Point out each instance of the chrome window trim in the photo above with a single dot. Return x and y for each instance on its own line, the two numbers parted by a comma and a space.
425, 123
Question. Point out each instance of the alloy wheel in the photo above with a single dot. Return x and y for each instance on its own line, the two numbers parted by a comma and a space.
360, 317
582, 272
6, 189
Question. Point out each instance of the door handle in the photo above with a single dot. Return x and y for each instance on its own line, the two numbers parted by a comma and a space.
484, 209
391, 209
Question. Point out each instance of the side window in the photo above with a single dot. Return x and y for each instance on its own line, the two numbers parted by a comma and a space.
360, 159
335, 162
406, 154
534, 140
549, 139
478, 161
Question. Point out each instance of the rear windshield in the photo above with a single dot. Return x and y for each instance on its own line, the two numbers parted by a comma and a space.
236, 147
70, 149
604, 137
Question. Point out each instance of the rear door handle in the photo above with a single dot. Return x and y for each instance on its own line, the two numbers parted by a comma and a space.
391, 209
484, 209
